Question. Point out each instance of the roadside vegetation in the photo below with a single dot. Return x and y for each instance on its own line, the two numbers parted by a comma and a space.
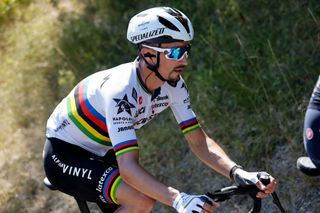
252, 69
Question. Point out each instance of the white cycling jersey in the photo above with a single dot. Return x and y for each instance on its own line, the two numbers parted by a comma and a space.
103, 111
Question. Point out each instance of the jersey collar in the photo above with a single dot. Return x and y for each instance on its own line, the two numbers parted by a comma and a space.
144, 87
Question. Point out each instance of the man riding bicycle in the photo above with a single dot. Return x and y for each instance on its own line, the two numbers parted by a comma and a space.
92, 151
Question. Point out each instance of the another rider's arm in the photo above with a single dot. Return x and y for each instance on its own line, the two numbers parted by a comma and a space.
135, 176
209, 152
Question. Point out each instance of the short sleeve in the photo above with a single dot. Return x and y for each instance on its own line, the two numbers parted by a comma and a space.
181, 108
119, 110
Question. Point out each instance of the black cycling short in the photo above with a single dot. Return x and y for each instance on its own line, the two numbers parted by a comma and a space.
80, 173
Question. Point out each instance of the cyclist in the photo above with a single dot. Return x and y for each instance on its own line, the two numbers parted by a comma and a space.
311, 165
92, 152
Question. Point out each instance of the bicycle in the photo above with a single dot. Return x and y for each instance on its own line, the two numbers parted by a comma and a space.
219, 195
226, 193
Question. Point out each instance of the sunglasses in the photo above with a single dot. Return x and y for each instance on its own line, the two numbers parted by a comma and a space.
172, 53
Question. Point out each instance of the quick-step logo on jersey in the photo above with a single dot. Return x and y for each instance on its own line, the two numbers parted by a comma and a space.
85, 117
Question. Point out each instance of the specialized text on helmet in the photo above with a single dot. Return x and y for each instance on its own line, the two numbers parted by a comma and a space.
149, 34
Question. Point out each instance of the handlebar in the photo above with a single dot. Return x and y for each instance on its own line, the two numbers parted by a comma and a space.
227, 192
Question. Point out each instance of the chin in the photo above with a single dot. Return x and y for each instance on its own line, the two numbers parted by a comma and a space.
175, 79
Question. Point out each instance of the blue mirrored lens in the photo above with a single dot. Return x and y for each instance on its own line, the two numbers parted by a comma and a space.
178, 52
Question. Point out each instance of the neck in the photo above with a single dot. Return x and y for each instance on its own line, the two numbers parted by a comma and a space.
151, 81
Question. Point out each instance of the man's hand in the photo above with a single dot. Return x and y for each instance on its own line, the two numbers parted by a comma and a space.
268, 189
185, 203
244, 178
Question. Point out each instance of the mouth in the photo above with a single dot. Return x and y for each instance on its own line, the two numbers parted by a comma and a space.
179, 69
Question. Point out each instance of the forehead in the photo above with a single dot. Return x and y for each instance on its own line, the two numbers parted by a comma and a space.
174, 44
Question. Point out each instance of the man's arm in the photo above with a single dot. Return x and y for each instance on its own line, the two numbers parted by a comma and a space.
209, 152
135, 176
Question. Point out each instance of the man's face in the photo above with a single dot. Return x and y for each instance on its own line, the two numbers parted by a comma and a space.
172, 69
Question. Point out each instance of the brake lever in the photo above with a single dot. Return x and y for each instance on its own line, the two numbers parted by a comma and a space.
265, 179
223, 194
227, 192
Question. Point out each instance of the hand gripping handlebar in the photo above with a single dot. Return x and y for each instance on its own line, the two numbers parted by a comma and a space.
251, 190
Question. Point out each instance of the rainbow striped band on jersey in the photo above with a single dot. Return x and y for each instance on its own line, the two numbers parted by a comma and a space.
189, 125
125, 146
88, 120
111, 185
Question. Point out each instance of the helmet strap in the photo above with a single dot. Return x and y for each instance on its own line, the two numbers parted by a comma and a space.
155, 67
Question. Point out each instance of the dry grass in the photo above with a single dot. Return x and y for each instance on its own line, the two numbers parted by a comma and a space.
26, 57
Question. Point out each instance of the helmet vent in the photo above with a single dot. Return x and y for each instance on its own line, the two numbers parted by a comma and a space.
184, 22
179, 16
167, 24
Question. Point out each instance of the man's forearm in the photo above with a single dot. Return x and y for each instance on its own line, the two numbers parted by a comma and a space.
213, 155
135, 176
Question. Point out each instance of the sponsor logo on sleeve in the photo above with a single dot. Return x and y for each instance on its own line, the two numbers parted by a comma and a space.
187, 100
122, 120
63, 125
105, 79
125, 128
124, 105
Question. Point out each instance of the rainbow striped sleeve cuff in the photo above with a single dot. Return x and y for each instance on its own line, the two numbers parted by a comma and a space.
189, 125
126, 146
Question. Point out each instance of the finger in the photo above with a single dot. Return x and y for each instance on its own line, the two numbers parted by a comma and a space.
262, 195
260, 186
206, 211
209, 202
271, 187
206, 199
210, 208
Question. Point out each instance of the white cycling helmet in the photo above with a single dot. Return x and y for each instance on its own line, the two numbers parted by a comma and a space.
159, 25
